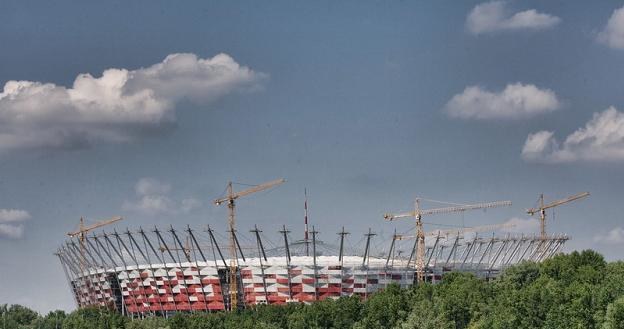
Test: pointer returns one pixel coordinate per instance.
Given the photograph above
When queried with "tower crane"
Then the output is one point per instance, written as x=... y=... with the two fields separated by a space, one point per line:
x=420 y=233
x=230 y=199
x=82 y=231
x=542 y=209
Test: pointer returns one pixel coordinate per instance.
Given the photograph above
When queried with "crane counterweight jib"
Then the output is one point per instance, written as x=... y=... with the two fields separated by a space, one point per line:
x=453 y=209
x=391 y=217
x=447 y=210
x=553 y=204
x=254 y=189
x=85 y=229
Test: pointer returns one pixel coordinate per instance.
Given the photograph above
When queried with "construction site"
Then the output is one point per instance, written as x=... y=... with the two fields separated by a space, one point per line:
x=161 y=271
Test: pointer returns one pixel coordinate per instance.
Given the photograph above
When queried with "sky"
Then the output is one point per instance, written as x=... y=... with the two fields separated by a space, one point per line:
x=147 y=109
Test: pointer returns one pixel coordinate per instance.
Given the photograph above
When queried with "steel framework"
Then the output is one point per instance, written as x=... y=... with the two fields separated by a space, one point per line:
x=160 y=272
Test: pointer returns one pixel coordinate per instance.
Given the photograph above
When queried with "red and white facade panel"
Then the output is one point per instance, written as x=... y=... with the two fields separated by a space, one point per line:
x=197 y=286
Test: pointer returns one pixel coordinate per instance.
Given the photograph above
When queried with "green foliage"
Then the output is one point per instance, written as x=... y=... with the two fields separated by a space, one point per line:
x=567 y=291
x=17 y=316
x=148 y=323
x=424 y=315
x=615 y=315
x=385 y=309
x=53 y=320
x=462 y=297
x=94 y=318
x=578 y=290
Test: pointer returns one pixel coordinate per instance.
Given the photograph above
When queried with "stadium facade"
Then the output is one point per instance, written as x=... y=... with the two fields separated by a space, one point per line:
x=162 y=272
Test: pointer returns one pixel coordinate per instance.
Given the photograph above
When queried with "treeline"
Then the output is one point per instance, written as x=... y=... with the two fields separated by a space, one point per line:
x=577 y=290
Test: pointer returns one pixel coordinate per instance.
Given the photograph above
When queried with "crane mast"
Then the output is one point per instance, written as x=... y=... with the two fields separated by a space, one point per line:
x=230 y=199
x=420 y=233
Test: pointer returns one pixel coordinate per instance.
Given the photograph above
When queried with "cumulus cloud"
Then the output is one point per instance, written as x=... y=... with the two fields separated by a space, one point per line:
x=495 y=16
x=13 y=215
x=11 y=223
x=119 y=106
x=190 y=204
x=521 y=225
x=613 y=33
x=151 y=186
x=602 y=139
x=11 y=231
x=539 y=144
x=614 y=236
x=153 y=198
x=516 y=101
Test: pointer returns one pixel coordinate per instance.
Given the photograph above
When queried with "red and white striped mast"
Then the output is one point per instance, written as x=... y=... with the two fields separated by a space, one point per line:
x=305 y=222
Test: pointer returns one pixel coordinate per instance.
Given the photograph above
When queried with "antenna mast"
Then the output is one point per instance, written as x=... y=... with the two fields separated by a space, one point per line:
x=305 y=222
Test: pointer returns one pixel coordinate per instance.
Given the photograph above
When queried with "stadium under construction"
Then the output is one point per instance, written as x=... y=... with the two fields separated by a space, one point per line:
x=162 y=271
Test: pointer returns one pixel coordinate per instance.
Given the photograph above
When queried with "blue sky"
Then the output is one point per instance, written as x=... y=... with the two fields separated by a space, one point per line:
x=367 y=104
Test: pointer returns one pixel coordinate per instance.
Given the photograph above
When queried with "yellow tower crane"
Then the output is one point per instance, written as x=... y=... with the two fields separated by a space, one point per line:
x=82 y=231
x=420 y=233
x=542 y=209
x=230 y=199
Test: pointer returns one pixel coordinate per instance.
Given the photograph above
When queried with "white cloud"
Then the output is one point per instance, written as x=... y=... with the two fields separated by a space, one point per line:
x=11 y=231
x=150 y=205
x=520 y=225
x=614 y=236
x=149 y=186
x=613 y=33
x=539 y=144
x=153 y=198
x=516 y=101
x=602 y=139
x=494 y=16
x=190 y=204
x=13 y=215
x=119 y=106
x=10 y=223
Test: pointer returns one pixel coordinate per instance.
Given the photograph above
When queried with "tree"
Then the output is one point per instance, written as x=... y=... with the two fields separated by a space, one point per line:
x=346 y=312
x=461 y=297
x=17 y=316
x=53 y=320
x=385 y=309
x=148 y=323
x=424 y=315
x=615 y=315
x=94 y=318
x=610 y=289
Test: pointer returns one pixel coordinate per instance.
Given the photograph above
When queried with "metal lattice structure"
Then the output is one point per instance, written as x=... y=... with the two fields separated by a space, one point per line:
x=160 y=272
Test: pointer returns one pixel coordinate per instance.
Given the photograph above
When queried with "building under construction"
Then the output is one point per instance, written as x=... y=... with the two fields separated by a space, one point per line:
x=163 y=271
x=159 y=272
